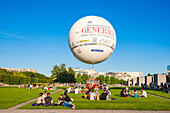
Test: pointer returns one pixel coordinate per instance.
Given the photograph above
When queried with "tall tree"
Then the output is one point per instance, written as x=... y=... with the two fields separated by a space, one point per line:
x=60 y=74
x=107 y=80
x=78 y=79
x=57 y=70
x=101 y=77
x=84 y=78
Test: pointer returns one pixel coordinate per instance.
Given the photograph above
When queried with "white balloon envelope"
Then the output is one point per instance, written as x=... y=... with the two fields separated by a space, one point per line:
x=92 y=39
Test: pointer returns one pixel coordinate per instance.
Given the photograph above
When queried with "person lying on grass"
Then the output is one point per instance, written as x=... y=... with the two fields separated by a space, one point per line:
x=40 y=100
x=61 y=101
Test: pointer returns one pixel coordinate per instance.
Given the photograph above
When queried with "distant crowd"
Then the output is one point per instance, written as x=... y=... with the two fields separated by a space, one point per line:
x=34 y=86
x=91 y=93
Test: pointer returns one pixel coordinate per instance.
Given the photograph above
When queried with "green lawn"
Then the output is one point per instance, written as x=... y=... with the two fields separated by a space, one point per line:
x=159 y=93
x=149 y=103
x=11 y=96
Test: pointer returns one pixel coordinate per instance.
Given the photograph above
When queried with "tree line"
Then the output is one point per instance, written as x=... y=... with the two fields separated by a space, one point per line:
x=63 y=75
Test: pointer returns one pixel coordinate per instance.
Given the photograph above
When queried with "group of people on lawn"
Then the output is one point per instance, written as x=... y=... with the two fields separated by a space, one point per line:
x=34 y=85
x=135 y=93
x=46 y=100
x=91 y=93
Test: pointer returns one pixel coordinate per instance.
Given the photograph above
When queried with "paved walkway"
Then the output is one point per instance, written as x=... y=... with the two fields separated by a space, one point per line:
x=158 y=96
x=22 y=104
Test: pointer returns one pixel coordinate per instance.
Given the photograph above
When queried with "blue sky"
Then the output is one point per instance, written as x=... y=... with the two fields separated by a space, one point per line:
x=34 y=33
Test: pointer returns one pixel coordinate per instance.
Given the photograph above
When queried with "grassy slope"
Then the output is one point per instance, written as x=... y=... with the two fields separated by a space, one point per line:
x=149 y=103
x=11 y=96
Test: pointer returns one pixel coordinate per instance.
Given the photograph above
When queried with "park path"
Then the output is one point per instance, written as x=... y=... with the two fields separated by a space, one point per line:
x=22 y=104
x=158 y=96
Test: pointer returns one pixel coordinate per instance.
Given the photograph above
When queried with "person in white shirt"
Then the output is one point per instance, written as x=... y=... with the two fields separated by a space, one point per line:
x=76 y=90
x=30 y=86
x=144 y=94
x=92 y=95
x=45 y=88
x=45 y=94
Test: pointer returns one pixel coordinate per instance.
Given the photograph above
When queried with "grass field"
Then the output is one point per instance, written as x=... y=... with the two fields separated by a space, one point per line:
x=11 y=96
x=159 y=93
x=149 y=103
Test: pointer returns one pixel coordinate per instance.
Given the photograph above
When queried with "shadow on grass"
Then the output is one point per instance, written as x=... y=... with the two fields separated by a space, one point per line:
x=130 y=88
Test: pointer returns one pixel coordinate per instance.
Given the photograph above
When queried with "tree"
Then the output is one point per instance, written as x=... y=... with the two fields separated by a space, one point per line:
x=84 y=78
x=101 y=78
x=71 y=71
x=78 y=79
x=112 y=80
x=60 y=74
x=57 y=70
x=19 y=74
x=149 y=74
x=107 y=80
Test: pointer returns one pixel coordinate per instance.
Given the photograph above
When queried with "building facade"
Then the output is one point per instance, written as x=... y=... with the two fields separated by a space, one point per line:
x=157 y=79
x=125 y=75
x=160 y=79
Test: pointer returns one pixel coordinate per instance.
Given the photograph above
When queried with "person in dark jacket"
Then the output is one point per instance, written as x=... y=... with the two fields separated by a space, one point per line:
x=103 y=95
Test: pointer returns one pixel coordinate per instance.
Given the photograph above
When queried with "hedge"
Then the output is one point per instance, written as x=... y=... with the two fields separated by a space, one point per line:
x=10 y=79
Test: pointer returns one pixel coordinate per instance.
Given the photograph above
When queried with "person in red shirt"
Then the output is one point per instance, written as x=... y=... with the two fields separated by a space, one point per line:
x=93 y=87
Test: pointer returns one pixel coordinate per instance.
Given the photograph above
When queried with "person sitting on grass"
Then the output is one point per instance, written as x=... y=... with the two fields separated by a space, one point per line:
x=45 y=94
x=92 y=95
x=109 y=94
x=88 y=87
x=144 y=94
x=45 y=88
x=85 y=90
x=34 y=85
x=86 y=94
x=79 y=89
x=135 y=94
x=40 y=100
x=103 y=95
x=127 y=93
x=122 y=93
x=72 y=89
x=96 y=95
x=76 y=90
x=93 y=87
x=48 y=101
x=61 y=101
x=67 y=98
